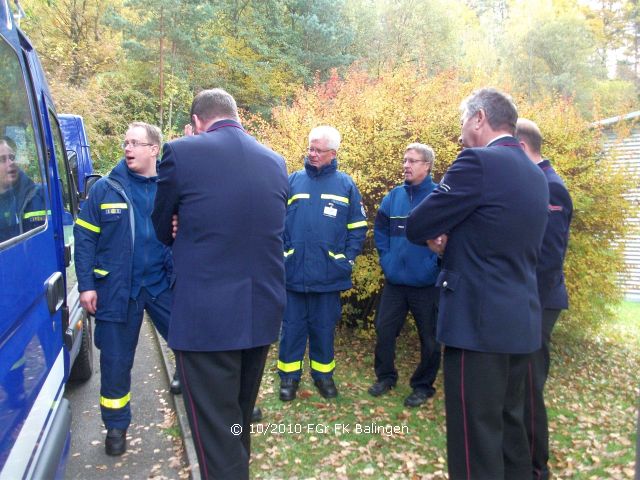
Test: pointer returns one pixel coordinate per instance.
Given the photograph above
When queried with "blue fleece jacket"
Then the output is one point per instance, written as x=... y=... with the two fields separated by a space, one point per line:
x=402 y=262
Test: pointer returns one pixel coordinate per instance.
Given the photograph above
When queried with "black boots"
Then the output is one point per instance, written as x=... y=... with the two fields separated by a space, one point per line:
x=116 y=442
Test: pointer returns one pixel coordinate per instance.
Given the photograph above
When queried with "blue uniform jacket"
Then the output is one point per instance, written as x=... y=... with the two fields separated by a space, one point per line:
x=325 y=229
x=402 y=262
x=104 y=244
x=492 y=202
x=551 y=285
x=22 y=207
x=230 y=193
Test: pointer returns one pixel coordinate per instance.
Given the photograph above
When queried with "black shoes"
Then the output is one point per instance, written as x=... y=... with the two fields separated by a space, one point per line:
x=174 y=386
x=381 y=387
x=116 y=442
x=288 y=389
x=326 y=387
x=256 y=415
x=418 y=397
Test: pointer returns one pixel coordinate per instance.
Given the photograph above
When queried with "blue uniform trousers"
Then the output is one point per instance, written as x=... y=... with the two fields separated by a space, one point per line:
x=313 y=316
x=117 y=343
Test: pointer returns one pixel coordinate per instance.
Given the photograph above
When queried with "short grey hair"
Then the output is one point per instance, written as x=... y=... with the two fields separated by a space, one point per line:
x=428 y=155
x=9 y=142
x=499 y=108
x=330 y=134
x=214 y=103
x=154 y=135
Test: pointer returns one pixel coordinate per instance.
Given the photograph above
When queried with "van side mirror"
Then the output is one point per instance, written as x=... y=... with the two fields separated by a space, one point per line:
x=88 y=183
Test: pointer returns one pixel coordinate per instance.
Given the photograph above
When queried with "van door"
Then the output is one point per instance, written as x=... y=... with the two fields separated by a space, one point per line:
x=31 y=282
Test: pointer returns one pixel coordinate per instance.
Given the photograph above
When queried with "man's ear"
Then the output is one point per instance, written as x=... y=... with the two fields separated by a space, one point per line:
x=481 y=118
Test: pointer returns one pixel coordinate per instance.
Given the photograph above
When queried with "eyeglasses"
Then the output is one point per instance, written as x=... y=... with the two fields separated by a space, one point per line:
x=134 y=144
x=6 y=158
x=411 y=161
x=317 y=150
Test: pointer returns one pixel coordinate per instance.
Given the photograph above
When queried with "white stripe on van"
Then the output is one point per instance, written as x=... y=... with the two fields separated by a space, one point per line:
x=42 y=412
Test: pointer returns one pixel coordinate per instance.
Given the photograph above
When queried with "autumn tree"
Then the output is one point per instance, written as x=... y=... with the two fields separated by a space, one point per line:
x=378 y=117
x=73 y=42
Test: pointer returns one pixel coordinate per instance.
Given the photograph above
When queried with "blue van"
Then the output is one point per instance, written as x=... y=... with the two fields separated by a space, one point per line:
x=78 y=151
x=45 y=337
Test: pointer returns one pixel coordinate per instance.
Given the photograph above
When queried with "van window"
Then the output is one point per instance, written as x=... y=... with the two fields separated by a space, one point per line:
x=22 y=194
x=69 y=194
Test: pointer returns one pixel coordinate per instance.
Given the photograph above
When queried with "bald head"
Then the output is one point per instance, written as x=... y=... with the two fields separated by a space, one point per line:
x=530 y=138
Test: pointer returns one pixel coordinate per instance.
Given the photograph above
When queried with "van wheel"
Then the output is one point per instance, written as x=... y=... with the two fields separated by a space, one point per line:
x=83 y=366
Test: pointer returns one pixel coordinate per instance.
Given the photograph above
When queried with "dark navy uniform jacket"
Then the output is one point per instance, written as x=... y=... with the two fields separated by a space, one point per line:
x=231 y=195
x=492 y=202
x=551 y=286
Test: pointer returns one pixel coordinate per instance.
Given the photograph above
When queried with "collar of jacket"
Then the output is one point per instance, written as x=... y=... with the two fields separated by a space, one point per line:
x=324 y=170
x=23 y=185
x=506 y=141
x=544 y=164
x=23 y=190
x=120 y=173
x=141 y=178
x=224 y=123
x=424 y=185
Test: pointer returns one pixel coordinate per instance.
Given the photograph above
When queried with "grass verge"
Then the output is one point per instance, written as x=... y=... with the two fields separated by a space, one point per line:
x=591 y=397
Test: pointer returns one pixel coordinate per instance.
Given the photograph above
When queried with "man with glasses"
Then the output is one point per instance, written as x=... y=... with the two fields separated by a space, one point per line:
x=410 y=273
x=122 y=271
x=324 y=232
x=22 y=206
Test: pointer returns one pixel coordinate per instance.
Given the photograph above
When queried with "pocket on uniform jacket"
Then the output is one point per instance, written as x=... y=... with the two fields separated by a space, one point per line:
x=448 y=280
x=104 y=291
x=112 y=212
x=338 y=267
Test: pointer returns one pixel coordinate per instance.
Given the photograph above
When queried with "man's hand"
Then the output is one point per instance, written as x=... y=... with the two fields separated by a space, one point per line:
x=89 y=301
x=188 y=130
x=174 y=224
x=438 y=244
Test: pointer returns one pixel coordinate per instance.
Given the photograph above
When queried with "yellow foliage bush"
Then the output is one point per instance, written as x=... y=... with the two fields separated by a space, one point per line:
x=379 y=117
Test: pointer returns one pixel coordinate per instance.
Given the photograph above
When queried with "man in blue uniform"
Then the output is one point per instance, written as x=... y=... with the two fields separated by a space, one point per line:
x=22 y=206
x=552 y=292
x=487 y=218
x=324 y=233
x=122 y=271
x=410 y=273
x=230 y=195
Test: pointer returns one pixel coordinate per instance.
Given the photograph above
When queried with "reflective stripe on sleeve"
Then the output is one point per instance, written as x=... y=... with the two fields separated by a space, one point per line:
x=289 y=252
x=100 y=272
x=298 y=196
x=360 y=224
x=87 y=225
x=290 y=366
x=323 y=367
x=337 y=198
x=115 y=402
